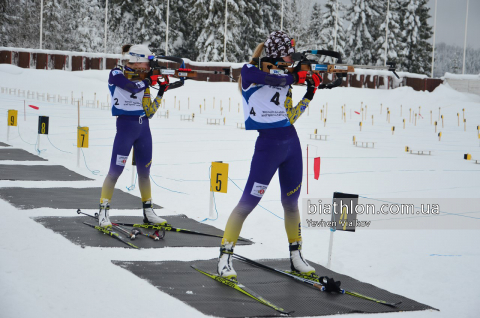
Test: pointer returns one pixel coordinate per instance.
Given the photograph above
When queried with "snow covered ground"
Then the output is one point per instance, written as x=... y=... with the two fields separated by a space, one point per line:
x=44 y=275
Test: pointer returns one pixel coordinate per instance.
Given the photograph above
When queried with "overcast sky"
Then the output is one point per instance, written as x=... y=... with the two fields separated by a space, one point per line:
x=451 y=16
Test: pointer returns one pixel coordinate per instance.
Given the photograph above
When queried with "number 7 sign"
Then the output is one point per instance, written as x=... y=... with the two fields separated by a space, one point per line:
x=82 y=137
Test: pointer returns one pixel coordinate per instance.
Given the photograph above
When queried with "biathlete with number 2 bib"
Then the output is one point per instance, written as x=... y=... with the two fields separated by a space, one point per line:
x=132 y=105
x=267 y=106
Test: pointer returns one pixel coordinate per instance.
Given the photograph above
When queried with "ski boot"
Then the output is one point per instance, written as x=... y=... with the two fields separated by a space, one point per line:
x=149 y=215
x=297 y=262
x=103 y=218
x=224 y=265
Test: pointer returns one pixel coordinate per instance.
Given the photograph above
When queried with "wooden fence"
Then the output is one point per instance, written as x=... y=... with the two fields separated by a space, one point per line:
x=81 y=62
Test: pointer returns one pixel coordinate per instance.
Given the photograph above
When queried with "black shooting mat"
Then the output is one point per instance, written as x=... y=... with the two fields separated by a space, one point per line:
x=78 y=233
x=67 y=198
x=4 y=144
x=18 y=155
x=179 y=280
x=39 y=173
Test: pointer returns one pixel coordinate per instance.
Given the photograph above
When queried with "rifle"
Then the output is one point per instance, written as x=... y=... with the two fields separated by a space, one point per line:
x=310 y=61
x=182 y=73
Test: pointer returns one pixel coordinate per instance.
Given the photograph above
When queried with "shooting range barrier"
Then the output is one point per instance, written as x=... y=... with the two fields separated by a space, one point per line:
x=67 y=198
x=365 y=144
x=39 y=173
x=318 y=137
x=418 y=152
x=73 y=229
x=187 y=117
x=213 y=298
x=18 y=155
x=163 y=114
x=213 y=121
x=240 y=126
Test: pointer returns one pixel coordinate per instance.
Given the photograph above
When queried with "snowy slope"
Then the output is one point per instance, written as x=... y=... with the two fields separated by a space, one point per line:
x=44 y=275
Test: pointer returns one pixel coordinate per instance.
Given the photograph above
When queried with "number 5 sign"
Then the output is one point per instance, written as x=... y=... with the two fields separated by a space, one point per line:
x=219 y=177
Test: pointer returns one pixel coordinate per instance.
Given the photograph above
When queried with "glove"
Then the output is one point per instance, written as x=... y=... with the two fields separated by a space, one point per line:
x=152 y=79
x=300 y=77
x=312 y=84
x=163 y=85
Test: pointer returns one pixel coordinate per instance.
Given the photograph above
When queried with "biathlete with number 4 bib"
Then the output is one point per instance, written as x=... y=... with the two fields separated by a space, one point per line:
x=268 y=108
x=132 y=105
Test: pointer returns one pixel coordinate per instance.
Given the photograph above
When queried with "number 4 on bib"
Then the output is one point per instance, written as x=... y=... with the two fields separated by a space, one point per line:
x=252 y=112
x=275 y=99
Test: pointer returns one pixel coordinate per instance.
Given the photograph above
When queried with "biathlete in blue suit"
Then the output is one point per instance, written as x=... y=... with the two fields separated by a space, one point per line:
x=132 y=104
x=267 y=106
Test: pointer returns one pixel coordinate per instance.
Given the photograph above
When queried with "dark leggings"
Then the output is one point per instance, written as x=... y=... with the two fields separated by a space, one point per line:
x=131 y=131
x=276 y=148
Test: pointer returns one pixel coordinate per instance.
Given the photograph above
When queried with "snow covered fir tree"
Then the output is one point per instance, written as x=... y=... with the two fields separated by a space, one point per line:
x=391 y=31
x=196 y=28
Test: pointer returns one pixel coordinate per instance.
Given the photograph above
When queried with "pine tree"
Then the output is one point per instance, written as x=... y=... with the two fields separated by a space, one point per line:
x=270 y=11
x=52 y=28
x=416 y=55
x=327 y=27
x=183 y=41
x=7 y=22
x=259 y=19
x=20 y=23
x=314 y=39
x=363 y=16
x=252 y=29
x=210 y=43
x=90 y=26
x=395 y=44
x=291 y=21
x=123 y=22
x=424 y=52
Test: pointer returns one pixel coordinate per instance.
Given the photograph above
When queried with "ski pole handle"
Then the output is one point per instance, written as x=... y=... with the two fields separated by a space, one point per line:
x=321 y=287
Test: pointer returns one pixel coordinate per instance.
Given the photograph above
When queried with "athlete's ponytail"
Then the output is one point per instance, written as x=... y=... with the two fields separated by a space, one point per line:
x=126 y=48
x=256 y=54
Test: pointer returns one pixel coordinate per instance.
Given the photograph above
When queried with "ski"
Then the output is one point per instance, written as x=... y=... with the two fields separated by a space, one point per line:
x=133 y=234
x=112 y=234
x=315 y=277
x=241 y=288
x=313 y=280
x=169 y=227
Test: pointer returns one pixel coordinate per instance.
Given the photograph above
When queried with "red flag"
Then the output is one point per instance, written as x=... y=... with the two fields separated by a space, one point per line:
x=316 y=167
x=34 y=107
x=357 y=113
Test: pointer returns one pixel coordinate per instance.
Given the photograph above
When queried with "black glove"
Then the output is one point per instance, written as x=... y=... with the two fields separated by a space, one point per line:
x=312 y=84
x=330 y=284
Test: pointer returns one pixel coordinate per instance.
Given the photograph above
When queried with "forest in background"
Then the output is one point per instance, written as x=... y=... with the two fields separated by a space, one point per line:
x=196 y=29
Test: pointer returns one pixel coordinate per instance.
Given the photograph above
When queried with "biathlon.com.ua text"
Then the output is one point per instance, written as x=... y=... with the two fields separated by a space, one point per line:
x=370 y=209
